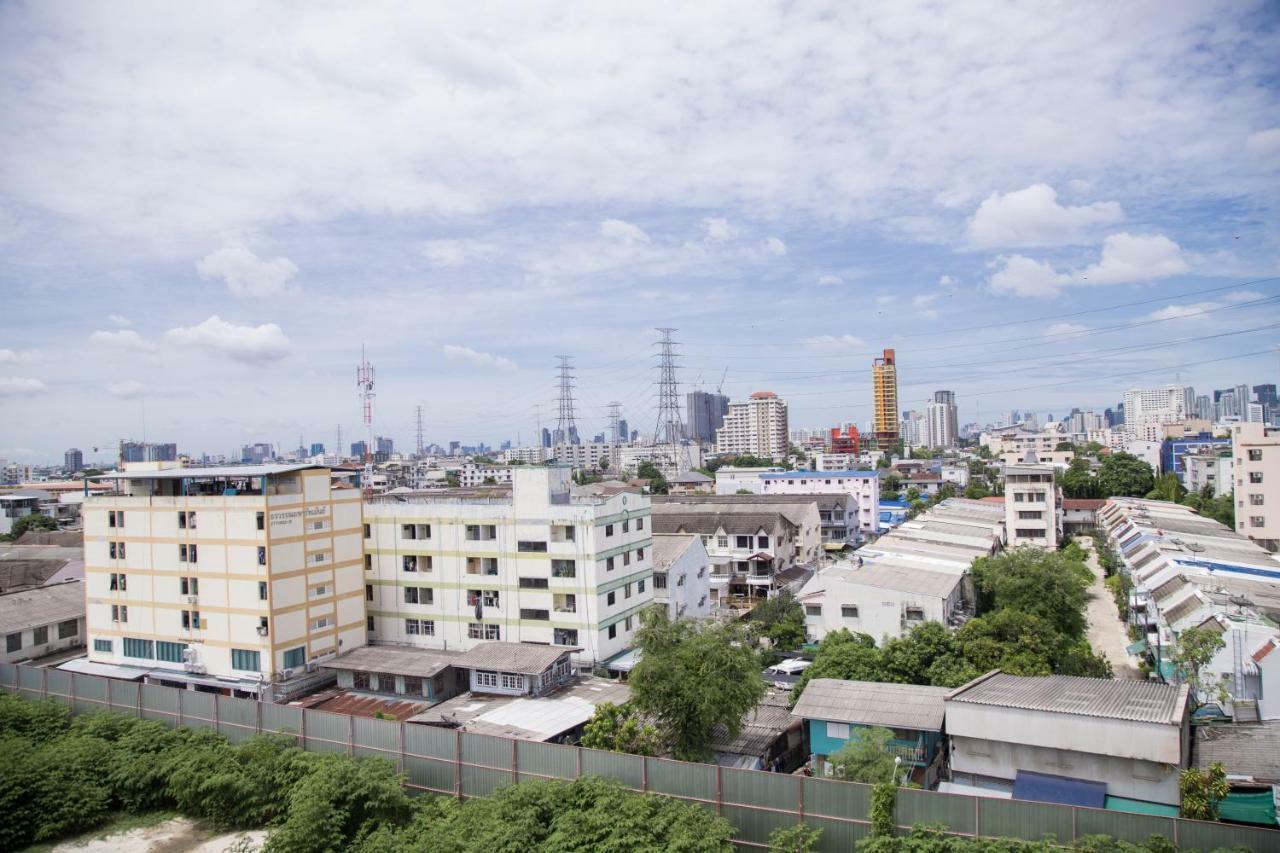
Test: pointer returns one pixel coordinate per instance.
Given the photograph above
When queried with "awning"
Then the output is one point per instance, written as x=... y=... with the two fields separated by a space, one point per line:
x=1047 y=788
x=106 y=670
x=1138 y=648
x=1122 y=804
x=835 y=546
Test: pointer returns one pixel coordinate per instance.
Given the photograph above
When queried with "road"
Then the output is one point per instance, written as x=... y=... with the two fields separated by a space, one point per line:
x=1108 y=635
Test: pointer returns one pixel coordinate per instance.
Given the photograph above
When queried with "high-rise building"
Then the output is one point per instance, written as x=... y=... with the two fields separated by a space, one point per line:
x=884 y=389
x=254 y=454
x=846 y=442
x=1204 y=407
x=624 y=431
x=942 y=420
x=162 y=452
x=73 y=460
x=317 y=448
x=1146 y=409
x=546 y=437
x=1256 y=451
x=383 y=445
x=359 y=449
x=912 y=430
x=133 y=451
x=757 y=427
x=1227 y=405
x=224 y=578
x=706 y=413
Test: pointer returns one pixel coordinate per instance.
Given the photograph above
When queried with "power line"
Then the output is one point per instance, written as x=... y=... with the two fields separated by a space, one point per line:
x=669 y=429
x=566 y=423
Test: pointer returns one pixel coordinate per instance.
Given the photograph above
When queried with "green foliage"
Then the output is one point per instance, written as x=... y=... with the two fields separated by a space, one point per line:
x=1120 y=587
x=935 y=840
x=1078 y=480
x=586 y=815
x=693 y=677
x=800 y=838
x=1194 y=649
x=1040 y=583
x=781 y=620
x=865 y=757
x=338 y=804
x=619 y=729
x=34 y=721
x=1123 y=474
x=976 y=490
x=890 y=483
x=1167 y=487
x=884 y=799
x=658 y=484
x=35 y=521
x=1064 y=445
x=1201 y=792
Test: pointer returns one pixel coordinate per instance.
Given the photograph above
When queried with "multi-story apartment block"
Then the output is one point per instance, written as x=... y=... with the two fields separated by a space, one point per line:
x=862 y=487
x=73 y=461
x=884 y=389
x=1146 y=409
x=706 y=413
x=1032 y=506
x=237 y=579
x=1256 y=450
x=471 y=475
x=942 y=421
x=450 y=570
x=757 y=427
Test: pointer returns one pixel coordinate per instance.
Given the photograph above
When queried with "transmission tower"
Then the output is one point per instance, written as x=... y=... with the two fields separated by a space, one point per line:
x=615 y=415
x=337 y=451
x=669 y=429
x=566 y=423
x=419 y=432
x=364 y=382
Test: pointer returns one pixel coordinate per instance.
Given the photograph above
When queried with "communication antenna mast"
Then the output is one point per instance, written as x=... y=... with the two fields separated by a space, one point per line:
x=364 y=382
x=669 y=429
x=566 y=423
x=337 y=451
x=615 y=415
x=419 y=431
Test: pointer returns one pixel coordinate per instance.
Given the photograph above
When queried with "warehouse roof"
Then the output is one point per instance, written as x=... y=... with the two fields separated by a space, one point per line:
x=886 y=575
x=42 y=605
x=524 y=658
x=394 y=660
x=1140 y=701
x=867 y=703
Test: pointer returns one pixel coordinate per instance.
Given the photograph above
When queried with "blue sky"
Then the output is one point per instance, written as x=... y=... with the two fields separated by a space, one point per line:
x=204 y=212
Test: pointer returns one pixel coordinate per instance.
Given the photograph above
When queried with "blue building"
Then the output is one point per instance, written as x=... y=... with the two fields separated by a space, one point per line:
x=1173 y=451
x=892 y=513
x=835 y=711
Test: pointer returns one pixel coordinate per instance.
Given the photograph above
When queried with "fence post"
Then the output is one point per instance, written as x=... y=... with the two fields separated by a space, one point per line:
x=181 y=715
x=1074 y=834
x=400 y=745
x=719 y=789
x=257 y=716
x=217 y=719
x=1176 y=823
x=644 y=774
x=44 y=682
x=72 y=697
x=351 y=735
x=800 y=798
x=457 y=763
x=138 y=686
x=577 y=769
x=515 y=762
x=304 y=728
x=977 y=817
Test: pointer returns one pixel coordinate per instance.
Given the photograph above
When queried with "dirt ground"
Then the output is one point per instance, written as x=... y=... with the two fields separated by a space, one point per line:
x=179 y=835
x=1107 y=634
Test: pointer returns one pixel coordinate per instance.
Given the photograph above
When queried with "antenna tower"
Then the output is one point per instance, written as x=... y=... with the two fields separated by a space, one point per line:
x=337 y=451
x=419 y=431
x=566 y=423
x=364 y=382
x=615 y=415
x=669 y=429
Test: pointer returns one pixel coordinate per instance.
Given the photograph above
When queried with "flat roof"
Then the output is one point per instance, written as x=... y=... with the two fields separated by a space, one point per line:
x=41 y=605
x=396 y=660
x=1245 y=750
x=867 y=703
x=1118 y=699
x=216 y=471
x=530 y=718
x=816 y=475
x=524 y=658
x=886 y=575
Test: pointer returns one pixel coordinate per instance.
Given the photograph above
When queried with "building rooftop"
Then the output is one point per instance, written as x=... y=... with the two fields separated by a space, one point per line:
x=669 y=547
x=894 y=706
x=396 y=660
x=816 y=475
x=889 y=576
x=679 y=518
x=529 y=718
x=224 y=471
x=524 y=658
x=1245 y=750
x=42 y=605
x=1140 y=701
x=761 y=726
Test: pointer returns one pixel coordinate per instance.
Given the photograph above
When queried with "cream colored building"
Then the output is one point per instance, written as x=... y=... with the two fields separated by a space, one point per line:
x=757 y=427
x=1032 y=506
x=1256 y=450
x=448 y=570
x=235 y=579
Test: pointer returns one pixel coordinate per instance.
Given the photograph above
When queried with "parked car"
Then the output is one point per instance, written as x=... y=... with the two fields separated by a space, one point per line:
x=785 y=674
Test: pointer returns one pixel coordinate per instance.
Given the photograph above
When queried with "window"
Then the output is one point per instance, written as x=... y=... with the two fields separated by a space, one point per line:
x=486 y=679
x=1019 y=497
x=368 y=623
x=187 y=554
x=626 y=525
x=320 y=623
x=319 y=558
x=838 y=731
x=1254 y=477
x=102 y=646
x=410 y=563
x=481 y=532
x=246 y=660
x=639 y=553
x=762 y=542
x=533 y=583
x=1029 y=533
x=368 y=532
x=111 y=518
x=261 y=520
x=408 y=531
x=1255 y=500
x=608 y=530
x=1255 y=454
x=320 y=591
x=170 y=652
x=608 y=564
x=368 y=592
x=742 y=541
x=626 y=624
x=612 y=632
x=534 y=614
x=490 y=598
x=119 y=613
x=368 y=562
x=659 y=580
x=915 y=614
x=118 y=582
x=481 y=631
x=640 y=524
x=189 y=585
x=813 y=610
x=40 y=635
x=69 y=628
x=13 y=642
x=182 y=521
x=626 y=558
x=134 y=648
x=262 y=590
x=512 y=681
x=640 y=586
x=564 y=569
x=610 y=598
x=1030 y=513
x=722 y=541
x=565 y=637
x=848 y=611
x=529 y=546
x=419 y=595
x=191 y=620
x=626 y=591
x=295 y=657
x=1257 y=521
x=116 y=550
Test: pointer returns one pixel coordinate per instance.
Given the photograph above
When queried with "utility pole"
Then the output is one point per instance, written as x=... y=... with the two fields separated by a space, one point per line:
x=669 y=428
x=419 y=431
x=566 y=422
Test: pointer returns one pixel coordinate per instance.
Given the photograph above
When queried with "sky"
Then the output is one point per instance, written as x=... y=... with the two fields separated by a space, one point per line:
x=206 y=210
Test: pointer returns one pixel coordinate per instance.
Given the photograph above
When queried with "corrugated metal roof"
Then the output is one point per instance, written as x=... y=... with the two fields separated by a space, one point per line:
x=1252 y=750
x=525 y=658
x=667 y=547
x=1183 y=609
x=396 y=661
x=218 y=471
x=888 y=576
x=42 y=605
x=1169 y=588
x=1141 y=701
x=868 y=703
x=676 y=518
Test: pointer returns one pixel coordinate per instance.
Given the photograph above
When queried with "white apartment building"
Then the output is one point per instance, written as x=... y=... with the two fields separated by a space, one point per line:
x=236 y=579
x=824 y=461
x=583 y=456
x=731 y=480
x=757 y=427
x=942 y=421
x=448 y=571
x=1208 y=469
x=913 y=430
x=682 y=575
x=1146 y=409
x=669 y=459
x=1032 y=506
x=471 y=475
x=863 y=488
x=1255 y=448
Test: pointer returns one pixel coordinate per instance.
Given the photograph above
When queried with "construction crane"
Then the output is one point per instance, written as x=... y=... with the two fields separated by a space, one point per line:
x=723 y=376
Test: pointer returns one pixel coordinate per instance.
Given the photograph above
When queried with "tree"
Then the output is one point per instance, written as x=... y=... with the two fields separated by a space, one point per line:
x=744 y=492
x=866 y=757
x=1078 y=480
x=451 y=478
x=619 y=729
x=1202 y=792
x=1124 y=475
x=976 y=490
x=781 y=620
x=844 y=655
x=890 y=483
x=35 y=521
x=693 y=677
x=1193 y=651
x=1040 y=583
x=799 y=838
x=1167 y=488
x=603 y=464
x=658 y=484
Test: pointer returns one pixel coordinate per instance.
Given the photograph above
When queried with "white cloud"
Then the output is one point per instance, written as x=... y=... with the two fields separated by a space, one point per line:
x=1136 y=257
x=885 y=299
x=1242 y=296
x=249 y=344
x=467 y=355
x=119 y=320
x=18 y=386
x=130 y=389
x=1023 y=276
x=1033 y=217
x=247 y=276
x=922 y=303
x=836 y=342
x=718 y=230
x=11 y=356
x=829 y=280
x=1065 y=330
x=617 y=229
x=947 y=281
x=1265 y=142
x=123 y=339
x=774 y=246
x=1195 y=309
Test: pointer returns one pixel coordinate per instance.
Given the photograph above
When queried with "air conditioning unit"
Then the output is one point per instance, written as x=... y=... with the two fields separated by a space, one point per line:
x=284 y=675
x=312 y=666
x=196 y=668
x=262 y=630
